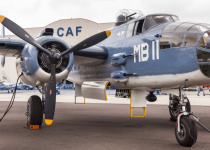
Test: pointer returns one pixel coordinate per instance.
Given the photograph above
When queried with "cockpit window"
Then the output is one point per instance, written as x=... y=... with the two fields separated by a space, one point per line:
x=135 y=28
x=175 y=18
x=130 y=30
x=152 y=21
x=138 y=27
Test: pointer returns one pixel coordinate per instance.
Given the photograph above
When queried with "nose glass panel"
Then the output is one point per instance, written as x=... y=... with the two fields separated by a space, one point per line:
x=203 y=56
x=203 y=59
x=204 y=42
x=205 y=69
x=179 y=34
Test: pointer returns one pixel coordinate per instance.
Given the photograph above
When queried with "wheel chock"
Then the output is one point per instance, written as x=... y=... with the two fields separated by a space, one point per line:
x=32 y=127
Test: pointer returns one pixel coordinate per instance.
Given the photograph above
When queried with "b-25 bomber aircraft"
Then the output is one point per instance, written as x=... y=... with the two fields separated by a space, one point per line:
x=141 y=53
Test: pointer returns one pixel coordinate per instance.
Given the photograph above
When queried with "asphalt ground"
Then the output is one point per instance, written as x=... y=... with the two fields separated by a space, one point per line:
x=98 y=127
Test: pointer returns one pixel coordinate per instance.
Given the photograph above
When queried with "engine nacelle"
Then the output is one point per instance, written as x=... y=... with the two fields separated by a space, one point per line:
x=35 y=64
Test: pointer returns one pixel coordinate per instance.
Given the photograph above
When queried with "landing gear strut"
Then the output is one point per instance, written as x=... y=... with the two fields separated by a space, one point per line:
x=175 y=106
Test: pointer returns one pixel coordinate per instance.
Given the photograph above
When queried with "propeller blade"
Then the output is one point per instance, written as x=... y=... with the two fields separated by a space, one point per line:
x=95 y=39
x=50 y=98
x=21 y=33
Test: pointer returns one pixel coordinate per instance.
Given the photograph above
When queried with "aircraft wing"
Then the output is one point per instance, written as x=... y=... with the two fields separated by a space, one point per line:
x=11 y=47
x=93 y=55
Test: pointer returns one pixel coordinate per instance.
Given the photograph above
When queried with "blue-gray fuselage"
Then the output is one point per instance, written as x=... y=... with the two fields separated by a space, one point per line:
x=149 y=66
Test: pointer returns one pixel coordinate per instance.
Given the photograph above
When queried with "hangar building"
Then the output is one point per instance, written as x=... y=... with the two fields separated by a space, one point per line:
x=71 y=30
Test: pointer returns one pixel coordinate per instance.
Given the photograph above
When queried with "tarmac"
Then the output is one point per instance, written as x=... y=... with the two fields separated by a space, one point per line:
x=99 y=125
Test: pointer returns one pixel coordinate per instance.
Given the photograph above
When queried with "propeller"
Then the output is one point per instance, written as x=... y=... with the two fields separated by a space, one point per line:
x=50 y=98
x=21 y=33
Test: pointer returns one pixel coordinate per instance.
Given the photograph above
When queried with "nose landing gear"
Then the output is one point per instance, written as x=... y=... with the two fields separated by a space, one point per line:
x=180 y=111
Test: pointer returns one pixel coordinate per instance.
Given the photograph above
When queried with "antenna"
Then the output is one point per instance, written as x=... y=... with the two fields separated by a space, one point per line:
x=131 y=15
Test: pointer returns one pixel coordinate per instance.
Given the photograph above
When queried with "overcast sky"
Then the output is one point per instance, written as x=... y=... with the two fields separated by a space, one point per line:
x=39 y=13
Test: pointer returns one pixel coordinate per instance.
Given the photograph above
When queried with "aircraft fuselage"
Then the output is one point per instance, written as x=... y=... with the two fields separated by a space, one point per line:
x=154 y=68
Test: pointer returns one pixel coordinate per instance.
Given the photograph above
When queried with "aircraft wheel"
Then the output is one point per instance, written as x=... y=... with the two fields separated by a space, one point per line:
x=188 y=132
x=175 y=110
x=34 y=111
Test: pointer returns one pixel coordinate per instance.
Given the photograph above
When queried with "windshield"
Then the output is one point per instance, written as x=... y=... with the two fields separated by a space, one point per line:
x=154 y=20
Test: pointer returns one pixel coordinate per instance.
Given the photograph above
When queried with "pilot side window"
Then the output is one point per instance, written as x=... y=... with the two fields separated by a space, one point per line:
x=130 y=30
x=138 y=27
x=152 y=21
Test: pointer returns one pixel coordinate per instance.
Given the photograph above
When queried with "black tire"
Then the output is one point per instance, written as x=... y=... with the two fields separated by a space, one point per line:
x=27 y=88
x=34 y=111
x=175 y=110
x=188 y=135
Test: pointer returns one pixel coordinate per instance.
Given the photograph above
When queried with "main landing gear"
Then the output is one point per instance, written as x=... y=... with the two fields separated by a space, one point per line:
x=35 y=110
x=180 y=111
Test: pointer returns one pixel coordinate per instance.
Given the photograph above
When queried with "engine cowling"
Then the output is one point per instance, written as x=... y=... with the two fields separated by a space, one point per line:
x=35 y=64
